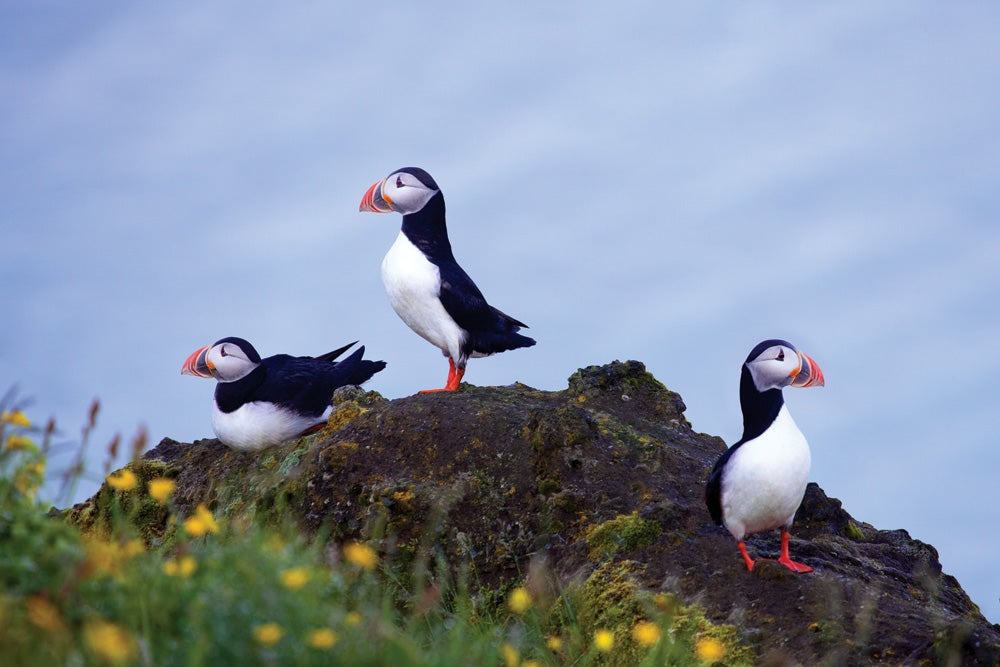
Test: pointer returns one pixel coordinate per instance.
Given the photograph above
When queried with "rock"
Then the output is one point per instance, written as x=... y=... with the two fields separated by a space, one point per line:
x=504 y=476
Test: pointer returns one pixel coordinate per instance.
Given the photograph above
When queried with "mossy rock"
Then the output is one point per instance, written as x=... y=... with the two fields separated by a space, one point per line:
x=605 y=470
x=622 y=534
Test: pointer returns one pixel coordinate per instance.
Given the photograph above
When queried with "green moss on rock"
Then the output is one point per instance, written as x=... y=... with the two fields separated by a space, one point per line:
x=147 y=517
x=852 y=531
x=622 y=534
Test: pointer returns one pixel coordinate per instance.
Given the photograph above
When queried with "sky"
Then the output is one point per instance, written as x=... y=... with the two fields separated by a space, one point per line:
x=666 y=182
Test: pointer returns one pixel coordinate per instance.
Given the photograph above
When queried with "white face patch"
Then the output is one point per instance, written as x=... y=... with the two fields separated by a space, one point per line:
x=406 y=192
x=230 y=362
x=773 y=368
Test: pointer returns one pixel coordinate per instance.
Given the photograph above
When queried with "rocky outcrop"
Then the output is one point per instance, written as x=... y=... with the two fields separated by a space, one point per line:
x=607 y=470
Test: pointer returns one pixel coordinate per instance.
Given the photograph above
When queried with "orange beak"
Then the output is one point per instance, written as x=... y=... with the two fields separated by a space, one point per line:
x=198 y=363
x=375 y=201
x=808 y=374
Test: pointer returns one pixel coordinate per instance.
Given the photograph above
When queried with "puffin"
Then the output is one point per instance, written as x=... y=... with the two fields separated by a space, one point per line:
x=758 y=483
x=264 y=402
x=427 y=288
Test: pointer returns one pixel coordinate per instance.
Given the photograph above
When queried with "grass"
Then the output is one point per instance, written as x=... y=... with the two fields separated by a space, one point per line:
x=212 y=591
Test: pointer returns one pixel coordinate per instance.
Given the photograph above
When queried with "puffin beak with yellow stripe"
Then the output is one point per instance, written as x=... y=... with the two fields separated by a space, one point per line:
x=197 y=364
x=374 y=201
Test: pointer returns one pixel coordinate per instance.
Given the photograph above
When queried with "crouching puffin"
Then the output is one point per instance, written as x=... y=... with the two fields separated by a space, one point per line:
x=265 y=402
x=426 y=286
x=758 y=483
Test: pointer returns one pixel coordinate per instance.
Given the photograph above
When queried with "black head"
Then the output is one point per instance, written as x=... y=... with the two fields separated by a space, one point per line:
x=248 y=349
x=420 y=175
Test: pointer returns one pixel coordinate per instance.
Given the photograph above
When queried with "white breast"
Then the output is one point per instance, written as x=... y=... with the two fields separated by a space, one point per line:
x=413 y=285
x=257 y=425
x=765 y=479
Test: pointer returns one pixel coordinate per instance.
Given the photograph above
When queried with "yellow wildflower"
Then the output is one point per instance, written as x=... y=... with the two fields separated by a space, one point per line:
x=44 y=614
x=322 y=638
x=123 y=480
x=268 y=633
x=519 y=600
x=709 y=649
x=182 y=567
x=604 y=640
x=554 y=643
x=16 y=418
x=134 y=548
x=16 y=441
x=109 y=641
x=201 y=522
x=161 y=488
x=511 y=656
x=361 y=555
x=530 y=663
x=646 y=633
x=295 y=578
x=353 y=618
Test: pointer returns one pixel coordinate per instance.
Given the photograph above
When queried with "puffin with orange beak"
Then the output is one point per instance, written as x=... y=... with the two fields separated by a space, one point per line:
x=264 y=402
x=758 y=483
x=426 y=286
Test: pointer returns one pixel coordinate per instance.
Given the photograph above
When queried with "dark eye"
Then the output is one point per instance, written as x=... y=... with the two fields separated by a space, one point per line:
x=781 y=354
x=222 y=351
x=399 y=181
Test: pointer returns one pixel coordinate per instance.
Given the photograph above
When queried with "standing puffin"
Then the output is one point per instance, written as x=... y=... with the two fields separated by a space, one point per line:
x=758 y=483
x=260 y=403
x=426 y=286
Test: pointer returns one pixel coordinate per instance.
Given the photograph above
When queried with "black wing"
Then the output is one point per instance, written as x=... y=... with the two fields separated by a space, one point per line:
x=462 y=298
x=306 y=384
x=713 y=490
x=331 y=356
x=490 y=330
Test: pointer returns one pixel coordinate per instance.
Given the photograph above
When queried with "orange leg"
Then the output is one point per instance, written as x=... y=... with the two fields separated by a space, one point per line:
x=786 y=560
x=454 y=379
x=746 y=556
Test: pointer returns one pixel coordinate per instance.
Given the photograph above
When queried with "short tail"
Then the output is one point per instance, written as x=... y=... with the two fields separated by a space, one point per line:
x=491 y=343
x=355 y=370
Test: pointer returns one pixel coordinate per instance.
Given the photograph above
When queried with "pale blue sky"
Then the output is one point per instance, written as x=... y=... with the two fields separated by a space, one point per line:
x=656 y=181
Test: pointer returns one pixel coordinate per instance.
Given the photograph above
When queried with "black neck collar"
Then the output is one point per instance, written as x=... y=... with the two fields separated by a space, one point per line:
x=760 y=408
x=426 y=229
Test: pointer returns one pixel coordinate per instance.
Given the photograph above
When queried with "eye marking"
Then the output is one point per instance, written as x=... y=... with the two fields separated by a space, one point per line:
x=399 y=181
x=222 y=351
x=781 y=354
